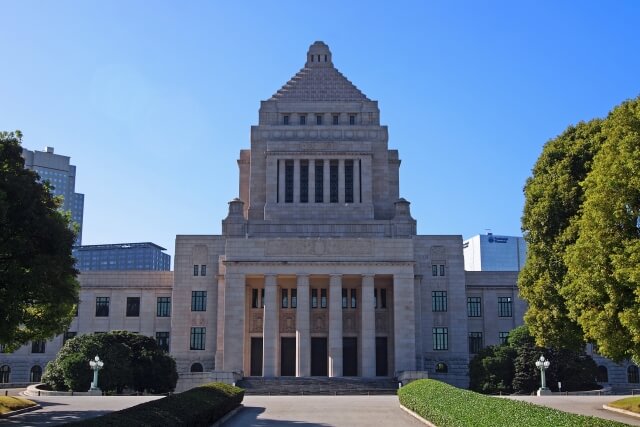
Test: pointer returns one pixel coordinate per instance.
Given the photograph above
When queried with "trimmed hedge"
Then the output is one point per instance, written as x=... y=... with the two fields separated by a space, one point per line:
x=448 y=406
x=13 y=403
x=200 y=406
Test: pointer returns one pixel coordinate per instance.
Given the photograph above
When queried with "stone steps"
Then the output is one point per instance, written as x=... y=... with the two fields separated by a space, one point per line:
x=317 y=386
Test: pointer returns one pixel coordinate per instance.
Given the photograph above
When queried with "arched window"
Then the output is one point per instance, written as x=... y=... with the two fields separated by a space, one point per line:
x=5 y=373
x=603 y=374
x=441 y=368
x=36 y=374
x=196 y=367
x=632 y=374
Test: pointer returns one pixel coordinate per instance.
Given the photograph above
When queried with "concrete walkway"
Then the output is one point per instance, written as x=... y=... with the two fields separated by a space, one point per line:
x=583 y=405
x=312 y=411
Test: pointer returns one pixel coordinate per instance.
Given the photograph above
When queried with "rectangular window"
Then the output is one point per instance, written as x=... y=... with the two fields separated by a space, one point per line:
x=474 y=306
x=102 y=306
x=254 y=298
x=352 y=119
x=37 y=346
x=345 y=298
x=314 y=298
x=504 y=307
x=434 y=270
x=475 y=342
x=383 y=298
x=319 y=178
x=294 y=298
x=323 y=298
x=203 y=270
x=333 y=181
x=348 y=181
x=67 y=336
x=375 y=298
x=439 y=300
x=502 y=337
x=133 y=306
x=353 y=298
x=288 y=181
x=162 y=338
x=199 y=301
x=197 y=338
x=441 y=270
x=285 y=298
x=303 y=120
x=195 y=270
x=163 y=307
x=336 y=119
x=440 y=339
x=285 y=120
x=262 y=298
x=318 y=119
x=304 y=181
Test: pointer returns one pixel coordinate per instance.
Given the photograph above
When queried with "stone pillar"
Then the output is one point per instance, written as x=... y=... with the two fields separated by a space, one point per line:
x=368 y=328
x=327 y=181
x=296 y=180
x=367 y=180
x=356 y=181
x=234 y=317
x=281 y=185
x=219 y=361
x=270 y=327
x=335 y=326
x=404 y=322
x=272 y=189
x=303 y=337
x=312 y=181
x=341 y=181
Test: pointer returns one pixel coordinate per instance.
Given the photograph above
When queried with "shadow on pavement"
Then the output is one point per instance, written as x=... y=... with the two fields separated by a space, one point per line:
x=41 y=418
x=248 y=416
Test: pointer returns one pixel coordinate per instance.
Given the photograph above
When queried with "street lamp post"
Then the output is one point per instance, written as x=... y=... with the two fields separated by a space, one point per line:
x=543 y=365
x=96 y=364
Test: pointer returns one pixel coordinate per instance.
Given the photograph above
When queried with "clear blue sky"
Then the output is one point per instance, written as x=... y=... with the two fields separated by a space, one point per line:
x=153 y=100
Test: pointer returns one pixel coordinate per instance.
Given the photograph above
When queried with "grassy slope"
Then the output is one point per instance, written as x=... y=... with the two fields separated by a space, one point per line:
x=630 y=404
x=12 y=403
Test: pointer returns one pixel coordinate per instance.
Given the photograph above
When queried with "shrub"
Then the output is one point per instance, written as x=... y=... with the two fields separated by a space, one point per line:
x=200 y=406
x=447 y=406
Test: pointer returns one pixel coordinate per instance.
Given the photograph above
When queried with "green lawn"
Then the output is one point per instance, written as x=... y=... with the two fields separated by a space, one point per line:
x=448 y=406
x=12 y=403
x=630 y=404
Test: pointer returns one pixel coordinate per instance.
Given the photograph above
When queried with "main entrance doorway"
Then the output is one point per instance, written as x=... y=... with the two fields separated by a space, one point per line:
x=350 y=356
x=319 y=361
x=287 y=357
x=381 y=357
x=256 y=357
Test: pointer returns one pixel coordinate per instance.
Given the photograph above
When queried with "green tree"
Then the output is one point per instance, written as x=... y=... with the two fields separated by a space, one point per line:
x=38 y=287
x=602 y=292
x=130 y=361
x=553 y=198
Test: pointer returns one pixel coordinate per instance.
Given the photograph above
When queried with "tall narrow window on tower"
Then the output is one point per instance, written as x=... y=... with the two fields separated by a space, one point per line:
x=348 y=181
x=333 y=181
x=288 y=181
x=304 y=181
x=319 y=184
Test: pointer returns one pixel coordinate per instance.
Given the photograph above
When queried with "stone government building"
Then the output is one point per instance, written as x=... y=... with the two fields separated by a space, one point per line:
x=318 y=271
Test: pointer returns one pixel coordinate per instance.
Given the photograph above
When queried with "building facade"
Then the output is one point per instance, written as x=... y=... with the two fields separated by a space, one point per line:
x=122 y=256
x=318 y=271
x=489 y=252
x=61 y=174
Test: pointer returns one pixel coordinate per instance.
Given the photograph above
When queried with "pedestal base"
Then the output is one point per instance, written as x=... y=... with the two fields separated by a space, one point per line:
x=544 y=392
x=94 y=392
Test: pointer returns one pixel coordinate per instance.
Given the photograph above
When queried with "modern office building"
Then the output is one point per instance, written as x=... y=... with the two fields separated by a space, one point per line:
x=490 y=252
x=61 y=174
x=318 y=271
x=122 y=256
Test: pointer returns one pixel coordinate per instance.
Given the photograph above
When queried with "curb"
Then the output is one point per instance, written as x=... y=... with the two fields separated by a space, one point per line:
x=418 y=417
x=20 y=411
x=620 y=411
x=226 y=416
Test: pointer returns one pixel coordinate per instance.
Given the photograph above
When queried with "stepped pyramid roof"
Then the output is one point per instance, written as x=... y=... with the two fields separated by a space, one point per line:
x=319 y=80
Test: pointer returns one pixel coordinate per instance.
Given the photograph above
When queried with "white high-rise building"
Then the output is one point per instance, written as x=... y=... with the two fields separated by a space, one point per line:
x=490 y=252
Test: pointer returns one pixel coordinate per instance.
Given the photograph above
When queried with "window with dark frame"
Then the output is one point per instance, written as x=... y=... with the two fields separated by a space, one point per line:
x=352 y=119
x=38 y=346
x=353 y=298
x=198 y=300
x=434 y=270
x=314 y=298
x=441 y=269
x=285 y=298
x=163 y=307
x=67 y=336
x=348 y=181
x=285 y=120
x=375 y=298
x=318 y=119
x=475 y=342
x=383 y=298
x=133 y=307
x=502 y=337
x=336 y=119
x=319 y=180
x=440 y=338
x=323 y=298
x=505 y=308
x=262 y=298
x=197 y=338
x=203 y=270
x=439 y=300
x=294 y=298
x=288 y=181
x=333 y=181
x=162 y=338
x=102 y=306
x=195 y=270
x=254 y=298
x=474 y=306
x=304 y=181
x=303 y=119
x=344 y=298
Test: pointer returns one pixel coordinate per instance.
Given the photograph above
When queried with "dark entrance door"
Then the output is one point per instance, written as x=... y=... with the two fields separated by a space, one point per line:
x=381 y=356
x=350 y=356
x=256 y=357
x=287 y=357
x=319 y=357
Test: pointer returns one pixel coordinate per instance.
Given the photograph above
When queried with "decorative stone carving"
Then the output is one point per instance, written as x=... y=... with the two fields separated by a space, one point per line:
x=256 y=322
x=310 y=247
x=349 y=322
x=319 y=322
x=381 y=322
x=287 y=322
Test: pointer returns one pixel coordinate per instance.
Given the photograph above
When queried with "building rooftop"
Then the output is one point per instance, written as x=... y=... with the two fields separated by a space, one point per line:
x=119 y=246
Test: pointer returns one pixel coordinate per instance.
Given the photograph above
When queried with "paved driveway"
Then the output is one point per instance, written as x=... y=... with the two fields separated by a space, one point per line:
x=312 y=411
x=584 y=405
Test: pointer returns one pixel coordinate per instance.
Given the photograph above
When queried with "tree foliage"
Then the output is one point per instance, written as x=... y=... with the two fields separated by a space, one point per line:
x=38 y=287
x=582 y=275
x=130 y=361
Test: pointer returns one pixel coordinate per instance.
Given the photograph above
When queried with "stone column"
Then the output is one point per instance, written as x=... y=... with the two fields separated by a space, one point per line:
x=234 y=317
x=404 y=322
x=270 y=327
x=356 y=181
x=312 y=181
x=219 y=361
x=335 y=326
x=281 y=186
x=327 y=181
x=368 y=328
x=296 y=180
x=341 y=181
x=303 y=337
